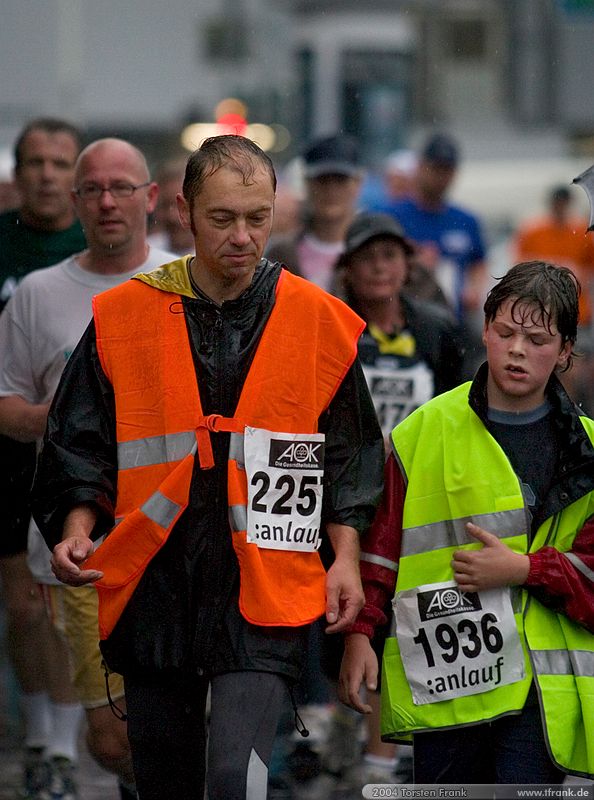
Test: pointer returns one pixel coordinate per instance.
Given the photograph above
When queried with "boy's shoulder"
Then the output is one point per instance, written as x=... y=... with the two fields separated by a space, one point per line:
x=450 y=408
x=445 y=402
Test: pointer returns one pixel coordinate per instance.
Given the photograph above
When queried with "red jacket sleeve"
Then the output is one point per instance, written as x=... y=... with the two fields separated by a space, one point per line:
x=564 y=582
x=380 y=551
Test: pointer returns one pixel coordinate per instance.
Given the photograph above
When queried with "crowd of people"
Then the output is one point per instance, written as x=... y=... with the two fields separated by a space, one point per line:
x=244 y=464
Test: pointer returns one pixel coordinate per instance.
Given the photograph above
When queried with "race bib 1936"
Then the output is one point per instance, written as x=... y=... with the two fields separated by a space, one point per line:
x=455 y=643
x=285 y=475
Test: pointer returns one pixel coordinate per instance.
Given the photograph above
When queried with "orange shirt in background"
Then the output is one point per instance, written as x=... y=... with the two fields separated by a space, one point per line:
x=566 y=244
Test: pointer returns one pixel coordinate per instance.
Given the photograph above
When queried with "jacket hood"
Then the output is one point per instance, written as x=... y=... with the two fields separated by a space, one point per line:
x=173 y=277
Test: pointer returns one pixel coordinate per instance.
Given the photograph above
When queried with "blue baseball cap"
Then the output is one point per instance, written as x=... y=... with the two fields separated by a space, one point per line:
x=441 y=149
x=332 y=155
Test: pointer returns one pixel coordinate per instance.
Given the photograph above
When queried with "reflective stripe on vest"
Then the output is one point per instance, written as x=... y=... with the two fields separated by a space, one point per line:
x=238 y=518
x=563 y=662
x=580 y=566
x=159 y=417
x=140 y=535
x=236 y=451
x=372 y=558
x=155 y=449
x=160 y=510
x=237 y=511
x=453 y=533
x=444 y=450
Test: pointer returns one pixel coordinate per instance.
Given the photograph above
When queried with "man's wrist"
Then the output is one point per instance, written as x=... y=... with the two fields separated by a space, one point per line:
x=345 y=542
x=79 y=522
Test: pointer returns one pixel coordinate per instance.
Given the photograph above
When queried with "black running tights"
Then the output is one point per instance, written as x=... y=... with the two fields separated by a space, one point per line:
x=170 y=737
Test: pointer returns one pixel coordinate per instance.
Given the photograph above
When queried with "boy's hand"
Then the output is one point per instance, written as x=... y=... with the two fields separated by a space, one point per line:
x=493 y=566
x=359 y=663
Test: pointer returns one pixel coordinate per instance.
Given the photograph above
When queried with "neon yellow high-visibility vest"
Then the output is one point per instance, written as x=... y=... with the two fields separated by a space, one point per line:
x=456 y=473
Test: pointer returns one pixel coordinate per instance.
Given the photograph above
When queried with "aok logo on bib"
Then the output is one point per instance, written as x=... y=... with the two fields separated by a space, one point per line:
x=445 y=602
x=285 y=474
x=299 y=454
x=455 y=643
x=389 y=386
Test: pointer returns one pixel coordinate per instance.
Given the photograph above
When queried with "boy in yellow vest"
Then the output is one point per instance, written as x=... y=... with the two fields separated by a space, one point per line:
x=484 y=543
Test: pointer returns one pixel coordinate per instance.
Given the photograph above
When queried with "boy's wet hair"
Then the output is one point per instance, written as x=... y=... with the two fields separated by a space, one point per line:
x=551 y=293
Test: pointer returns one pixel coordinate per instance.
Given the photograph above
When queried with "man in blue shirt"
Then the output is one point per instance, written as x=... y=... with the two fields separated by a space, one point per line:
x=448 y=239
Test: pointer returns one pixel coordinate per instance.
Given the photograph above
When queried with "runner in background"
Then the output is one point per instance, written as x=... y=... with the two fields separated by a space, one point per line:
x=39 y=330
x=165 y=229
x=560 y=235
x=333 y=175
x=43 y=229
x=448 y=238
x=410 y=351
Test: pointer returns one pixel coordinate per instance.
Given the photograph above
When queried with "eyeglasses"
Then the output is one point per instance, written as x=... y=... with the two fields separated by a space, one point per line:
x=91 y=191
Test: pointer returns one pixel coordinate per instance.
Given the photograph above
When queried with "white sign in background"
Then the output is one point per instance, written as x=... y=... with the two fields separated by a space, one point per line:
x=397 y=392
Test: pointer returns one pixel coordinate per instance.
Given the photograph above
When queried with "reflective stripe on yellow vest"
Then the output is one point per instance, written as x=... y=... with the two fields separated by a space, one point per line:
x=562 y=653
x=455 y=473
x=144 y=350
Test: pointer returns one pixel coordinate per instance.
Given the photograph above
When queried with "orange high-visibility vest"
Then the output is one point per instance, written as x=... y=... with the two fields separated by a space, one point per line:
x=306 y=348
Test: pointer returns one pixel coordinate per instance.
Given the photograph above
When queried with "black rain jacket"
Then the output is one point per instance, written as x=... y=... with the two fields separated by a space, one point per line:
x=184 y=615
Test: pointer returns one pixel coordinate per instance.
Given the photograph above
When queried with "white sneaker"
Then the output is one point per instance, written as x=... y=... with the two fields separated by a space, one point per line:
x=62 y=785
x=36 y=774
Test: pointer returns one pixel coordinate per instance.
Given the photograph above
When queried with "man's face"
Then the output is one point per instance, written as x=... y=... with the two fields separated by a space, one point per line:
x=522 y=354
x=44 y=179
x=377 y=270
x=434 y=179
x=231 y=224
x=333 y=198
x=166 y=215
x=114 y=225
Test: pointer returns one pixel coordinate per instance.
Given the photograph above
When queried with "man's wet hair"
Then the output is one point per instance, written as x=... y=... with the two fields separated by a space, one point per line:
x=542 y=293
x=237 y=152
x=49 y=125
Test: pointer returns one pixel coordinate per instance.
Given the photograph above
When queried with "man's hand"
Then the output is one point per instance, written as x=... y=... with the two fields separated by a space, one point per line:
x=67 y=558
x=427 y=255
x=75 y=547
x=493 y=566
x=344 y=593
x=22 y=420
x=475 y=286
x=359 y=664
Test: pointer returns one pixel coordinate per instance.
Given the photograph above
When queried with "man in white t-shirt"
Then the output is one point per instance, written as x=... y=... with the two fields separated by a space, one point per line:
x=39 y=329
x=333 y=176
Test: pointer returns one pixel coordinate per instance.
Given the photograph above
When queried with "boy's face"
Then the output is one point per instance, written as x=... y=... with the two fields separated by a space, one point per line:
x=522 y=353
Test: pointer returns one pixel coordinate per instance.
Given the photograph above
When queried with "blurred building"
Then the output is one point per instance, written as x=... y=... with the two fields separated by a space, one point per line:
x=512 y=79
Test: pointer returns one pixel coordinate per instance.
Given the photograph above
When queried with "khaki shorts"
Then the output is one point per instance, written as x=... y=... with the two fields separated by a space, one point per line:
x=73 y=611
